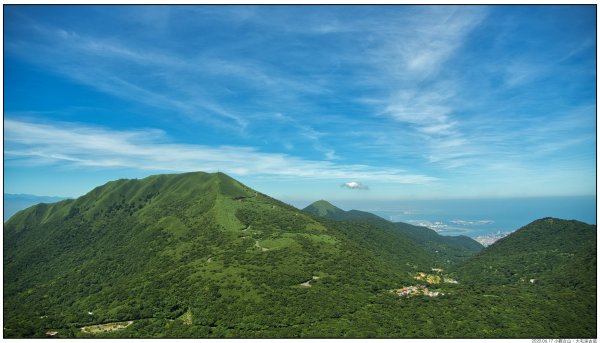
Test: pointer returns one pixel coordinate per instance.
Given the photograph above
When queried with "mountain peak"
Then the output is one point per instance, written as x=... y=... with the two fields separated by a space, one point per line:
x=322 y=208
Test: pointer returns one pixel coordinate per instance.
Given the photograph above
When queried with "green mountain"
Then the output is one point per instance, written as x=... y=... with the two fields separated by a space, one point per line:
x=549 y=251
x=548 y=269
x=445 y=249
x=202 y=255
x=323 y=208
x=156 y=249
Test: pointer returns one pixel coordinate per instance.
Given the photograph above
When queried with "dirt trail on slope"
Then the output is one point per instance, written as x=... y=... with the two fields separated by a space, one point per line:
x=307 y=283
x=257 y=244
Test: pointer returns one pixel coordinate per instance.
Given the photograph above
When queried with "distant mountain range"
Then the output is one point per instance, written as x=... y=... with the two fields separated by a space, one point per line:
x=444 y=248
x=202 y=255
x=16 y=202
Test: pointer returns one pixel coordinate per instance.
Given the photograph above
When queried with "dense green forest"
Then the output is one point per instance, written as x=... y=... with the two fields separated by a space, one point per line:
x=202 y=255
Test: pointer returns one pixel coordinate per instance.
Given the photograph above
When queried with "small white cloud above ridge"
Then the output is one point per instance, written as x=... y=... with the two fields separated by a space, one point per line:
x=355 y=185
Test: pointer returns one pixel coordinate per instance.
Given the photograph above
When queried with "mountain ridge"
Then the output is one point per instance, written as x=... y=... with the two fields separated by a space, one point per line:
x=128 y=236
x=203 y=255
x=14 y=203
x=446 y=246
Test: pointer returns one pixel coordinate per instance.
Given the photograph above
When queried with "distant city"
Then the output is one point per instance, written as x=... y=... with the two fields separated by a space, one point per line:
x=487 y=240
x=440 y=227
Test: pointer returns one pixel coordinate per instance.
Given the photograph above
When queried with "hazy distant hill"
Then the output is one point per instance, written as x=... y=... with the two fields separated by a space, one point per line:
x=16 y=202
x=446 y=248
x=202 y=255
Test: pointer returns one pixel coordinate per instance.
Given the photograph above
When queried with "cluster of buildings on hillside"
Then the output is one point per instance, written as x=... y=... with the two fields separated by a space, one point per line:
x=416 y=290
x=434 y=279
x=431 y=279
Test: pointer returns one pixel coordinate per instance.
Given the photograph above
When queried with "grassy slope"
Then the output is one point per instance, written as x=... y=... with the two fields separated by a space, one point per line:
x=164 y=245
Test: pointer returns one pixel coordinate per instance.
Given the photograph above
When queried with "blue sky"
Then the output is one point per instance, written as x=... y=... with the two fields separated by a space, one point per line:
x=396 y=102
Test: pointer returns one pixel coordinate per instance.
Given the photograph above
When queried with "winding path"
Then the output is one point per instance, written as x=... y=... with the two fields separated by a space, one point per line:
x=257 y=244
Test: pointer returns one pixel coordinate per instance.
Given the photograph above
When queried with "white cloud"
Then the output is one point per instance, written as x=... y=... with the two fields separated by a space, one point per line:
x=85 y=146
x=417 y=47
x=355 y=185
x=414 y=62
x=422 y=107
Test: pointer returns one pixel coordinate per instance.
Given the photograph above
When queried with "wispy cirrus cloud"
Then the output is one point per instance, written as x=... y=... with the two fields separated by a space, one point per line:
x=86 y=146
x=225 y=91
x=124 y=72
x=205 y=86
x=422 y=87
x=307 y=132
x=428 y=39
x=195 y=86
x=462 y=93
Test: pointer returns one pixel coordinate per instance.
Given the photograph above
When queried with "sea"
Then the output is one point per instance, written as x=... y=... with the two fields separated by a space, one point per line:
x=480 y=217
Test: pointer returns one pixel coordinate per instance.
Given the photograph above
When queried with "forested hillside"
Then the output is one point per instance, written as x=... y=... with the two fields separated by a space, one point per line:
x=202 y=255
x=446 y=249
